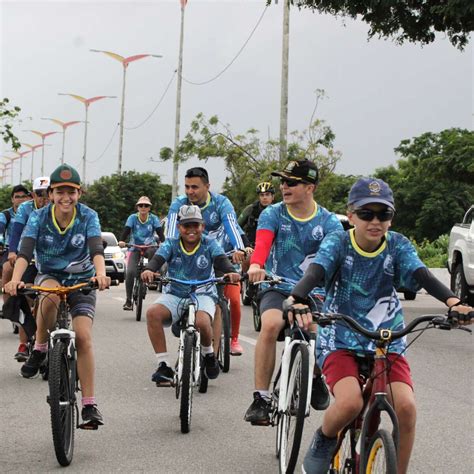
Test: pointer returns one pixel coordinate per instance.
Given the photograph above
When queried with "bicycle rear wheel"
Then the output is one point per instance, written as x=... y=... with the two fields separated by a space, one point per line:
x=224 y=348
x=62 y=401
x=382 y=454
x=292 y=419
x=257 y=320
x=141 y=291
x=186 y=402
x=344 y=461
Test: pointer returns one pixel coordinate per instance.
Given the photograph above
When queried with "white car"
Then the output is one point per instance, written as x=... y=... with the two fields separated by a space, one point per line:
x=115 y=265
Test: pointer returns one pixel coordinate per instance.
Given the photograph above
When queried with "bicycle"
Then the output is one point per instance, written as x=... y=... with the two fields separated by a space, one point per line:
x=291 y=393
x=223 y=354
x=362 y=446
x=189 y=373
x=139 y=287
x=62 y=371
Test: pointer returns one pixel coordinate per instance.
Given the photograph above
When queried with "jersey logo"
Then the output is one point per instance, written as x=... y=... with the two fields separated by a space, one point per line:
x=213 y=217
x=388 y=266
x=78 y=240
x=285 y=227
x=202 y=262
x=317 y=233
x=349 y=261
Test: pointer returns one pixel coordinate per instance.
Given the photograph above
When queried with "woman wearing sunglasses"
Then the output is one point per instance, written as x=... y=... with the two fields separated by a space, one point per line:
x=142 y=227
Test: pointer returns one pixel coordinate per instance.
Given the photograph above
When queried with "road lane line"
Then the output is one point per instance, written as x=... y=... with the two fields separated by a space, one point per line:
x=118 y=298
x=248 y=340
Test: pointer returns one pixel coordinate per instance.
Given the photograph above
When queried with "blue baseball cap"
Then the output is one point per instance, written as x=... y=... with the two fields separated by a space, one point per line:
x=369 y=191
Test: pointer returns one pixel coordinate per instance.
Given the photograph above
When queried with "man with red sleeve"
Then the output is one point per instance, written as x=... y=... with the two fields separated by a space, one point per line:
x=288 y=236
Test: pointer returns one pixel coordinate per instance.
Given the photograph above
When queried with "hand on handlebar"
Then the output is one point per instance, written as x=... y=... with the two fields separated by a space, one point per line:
x=232 y=277
x=122 y=244
x=12 y=286
x=148 y=276
x=102 y=281
x=256 y=273
x=462 y=314
x=297 y=312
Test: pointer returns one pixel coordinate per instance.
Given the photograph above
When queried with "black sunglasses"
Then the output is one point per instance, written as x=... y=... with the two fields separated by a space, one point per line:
x=143 y=205
x=369 y=215
x=291 y=183
x=20 y=196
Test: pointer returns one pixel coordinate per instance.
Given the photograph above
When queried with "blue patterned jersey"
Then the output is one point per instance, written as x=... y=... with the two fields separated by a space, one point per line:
x=362 y=285
x=18 y=223
x=219 y=219
x=296 y=241
x=196 y=265
x=4 y=225
x=143 y=233
x=63 y=254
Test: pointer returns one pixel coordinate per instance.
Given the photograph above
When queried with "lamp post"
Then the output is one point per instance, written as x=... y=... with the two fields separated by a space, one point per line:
x=125 y=62
x=86 y=103
x=32 y=148
x=43 y=138
x=20 y=155
x=64 y=126
x=10 y=165
x=4 y=168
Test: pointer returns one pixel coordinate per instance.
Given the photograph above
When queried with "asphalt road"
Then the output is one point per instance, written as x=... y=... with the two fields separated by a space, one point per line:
x=142 y=426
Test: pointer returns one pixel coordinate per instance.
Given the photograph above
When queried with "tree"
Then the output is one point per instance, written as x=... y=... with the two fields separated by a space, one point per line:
x=415 y=20
x=7 y=117
x=114 y=197
x=432 y=183
x=249 y=159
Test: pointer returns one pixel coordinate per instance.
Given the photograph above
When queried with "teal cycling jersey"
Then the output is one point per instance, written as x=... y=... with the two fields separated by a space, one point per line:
x=5 y=225
x=143 y=233
x=63 y=254
x=18 y=224
x=363 y=286
x=295 y=241
x=219 y=219
x=196 y=265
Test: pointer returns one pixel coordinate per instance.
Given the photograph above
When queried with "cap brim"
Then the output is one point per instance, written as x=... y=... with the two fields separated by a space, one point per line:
x=191 y=220
x=282 y=174
x=58 y=185
x=363 y=202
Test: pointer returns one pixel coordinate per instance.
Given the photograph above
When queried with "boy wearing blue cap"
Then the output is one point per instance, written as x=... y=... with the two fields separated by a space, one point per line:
x=362 y=268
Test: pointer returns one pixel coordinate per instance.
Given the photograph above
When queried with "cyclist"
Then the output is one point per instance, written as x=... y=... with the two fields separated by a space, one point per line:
x=65 y=237
x=248 y=220
x=291 y=233
x=190 y=257
x=363 y=267
x=141 y=226
x=40 y=199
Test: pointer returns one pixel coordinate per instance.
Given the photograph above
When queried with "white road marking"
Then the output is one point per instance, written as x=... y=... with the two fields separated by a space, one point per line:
x=248 y=340
x=118 y=298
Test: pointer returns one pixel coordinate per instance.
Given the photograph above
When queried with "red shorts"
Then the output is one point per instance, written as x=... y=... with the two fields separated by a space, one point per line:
x=342 y=363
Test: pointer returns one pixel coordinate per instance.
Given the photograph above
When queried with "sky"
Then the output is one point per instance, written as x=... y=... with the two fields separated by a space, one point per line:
x=377 y=92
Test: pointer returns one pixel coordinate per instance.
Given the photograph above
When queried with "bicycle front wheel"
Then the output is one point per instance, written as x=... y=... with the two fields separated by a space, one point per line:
x=224 y=349
x=62 y=402
x=292 y=419
x=186 y=402
x=382 y=454
x=257 y=321
x=141 y=289
x=344 y=461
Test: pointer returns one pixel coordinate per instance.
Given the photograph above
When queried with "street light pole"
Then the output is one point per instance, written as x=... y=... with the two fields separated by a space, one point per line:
x=174 y=186
x=125 y=61
x=33 y=149
x=284 y=81
x=85 y=145
x=64 y=126
x=43 y=138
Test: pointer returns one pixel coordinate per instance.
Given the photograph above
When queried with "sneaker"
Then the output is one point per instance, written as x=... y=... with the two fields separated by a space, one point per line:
x=258 y=412
x=319 y=394
x=91 y=418
x=319 y=455
x=211 y=366
x=31 y=367
x=22 y=353
x=128 y=306
x=164 y=375
x=235 y=347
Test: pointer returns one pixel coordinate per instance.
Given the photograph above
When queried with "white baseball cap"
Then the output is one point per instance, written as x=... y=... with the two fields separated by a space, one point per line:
x=41 y=183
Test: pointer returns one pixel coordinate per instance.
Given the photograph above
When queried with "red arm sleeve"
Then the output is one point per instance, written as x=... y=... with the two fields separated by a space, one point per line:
x=263 y=245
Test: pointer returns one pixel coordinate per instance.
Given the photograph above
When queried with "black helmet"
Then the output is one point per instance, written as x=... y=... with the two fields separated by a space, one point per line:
x=265 y=187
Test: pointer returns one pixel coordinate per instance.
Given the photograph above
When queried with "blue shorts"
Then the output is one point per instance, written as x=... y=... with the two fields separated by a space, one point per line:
x=176 y=305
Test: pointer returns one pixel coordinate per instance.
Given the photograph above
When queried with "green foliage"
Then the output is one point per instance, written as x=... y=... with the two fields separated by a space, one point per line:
x=415 y=21
x=432 y=183
x=8 y=115
x=114 y=197
x=333 y=191
x=434 y=254
x=249 y=159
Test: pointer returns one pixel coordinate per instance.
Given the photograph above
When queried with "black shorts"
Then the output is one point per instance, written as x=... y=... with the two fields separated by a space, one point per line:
x=273 y=299
x=30 y=273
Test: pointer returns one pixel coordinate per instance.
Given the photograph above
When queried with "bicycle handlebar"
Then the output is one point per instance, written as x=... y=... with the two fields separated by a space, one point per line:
x=208 y=281
x=437 y=320
x=83 y=286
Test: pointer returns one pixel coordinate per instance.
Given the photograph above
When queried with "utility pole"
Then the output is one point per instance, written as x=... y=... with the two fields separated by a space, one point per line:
x=284 y=81
x=174 y=187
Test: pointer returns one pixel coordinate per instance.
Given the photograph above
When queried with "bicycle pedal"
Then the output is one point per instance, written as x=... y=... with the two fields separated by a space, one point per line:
x=89 y=426
x=260 y=423
x=164 y=384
